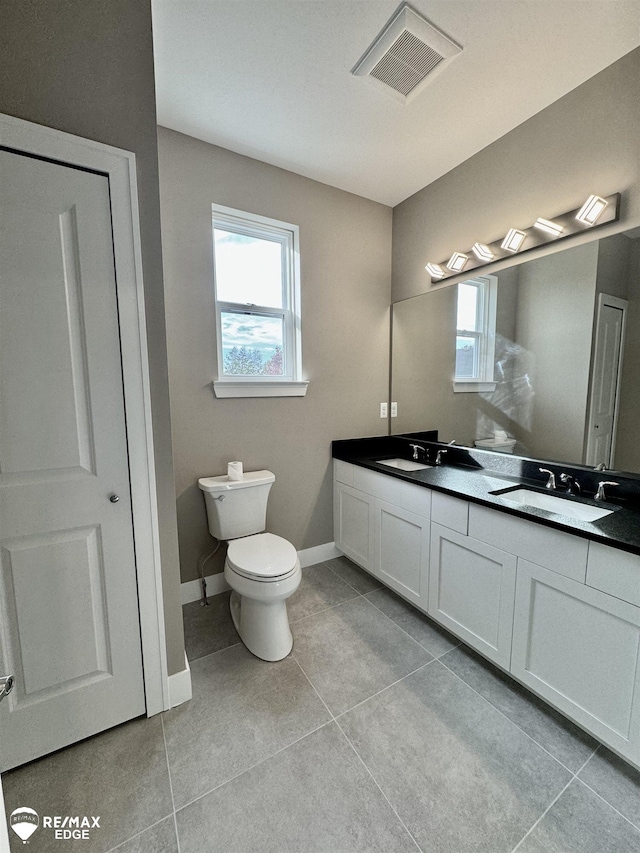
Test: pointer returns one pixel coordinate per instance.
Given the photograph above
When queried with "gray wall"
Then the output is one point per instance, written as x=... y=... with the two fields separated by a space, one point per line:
x=587 y=142
x=86 y=67
x=556 y=298
x=345 y=270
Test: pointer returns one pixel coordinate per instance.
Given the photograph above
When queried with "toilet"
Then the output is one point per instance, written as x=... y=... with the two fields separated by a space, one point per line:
x=262 y=569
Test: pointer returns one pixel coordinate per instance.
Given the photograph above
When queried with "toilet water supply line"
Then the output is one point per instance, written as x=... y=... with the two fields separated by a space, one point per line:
x=201 y=564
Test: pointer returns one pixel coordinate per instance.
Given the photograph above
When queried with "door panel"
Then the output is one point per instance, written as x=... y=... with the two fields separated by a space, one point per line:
x=68 y=597
x=402 y=551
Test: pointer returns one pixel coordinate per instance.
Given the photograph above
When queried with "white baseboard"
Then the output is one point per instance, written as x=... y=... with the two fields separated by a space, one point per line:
x=192 y=590
x=318 y=554
x=180 y=685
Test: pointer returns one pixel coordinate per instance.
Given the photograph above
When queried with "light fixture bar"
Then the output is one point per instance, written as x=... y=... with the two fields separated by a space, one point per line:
x=514 y=240
x=548 y=226
x=596 y=211
x=592 y=210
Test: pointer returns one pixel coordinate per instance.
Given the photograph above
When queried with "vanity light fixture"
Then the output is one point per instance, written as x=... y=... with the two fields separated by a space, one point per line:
x=591 y=210
x=482 y=252
x=435 y=271
x=514 y=240
x=596 y=211
x=457 y=262
x=547 y=225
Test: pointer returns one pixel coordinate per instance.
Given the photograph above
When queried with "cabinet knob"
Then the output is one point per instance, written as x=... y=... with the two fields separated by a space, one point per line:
x=114 y=498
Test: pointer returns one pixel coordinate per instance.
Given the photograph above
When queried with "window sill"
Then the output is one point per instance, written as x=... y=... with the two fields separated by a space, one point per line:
x=226 y=388
x=477 y=387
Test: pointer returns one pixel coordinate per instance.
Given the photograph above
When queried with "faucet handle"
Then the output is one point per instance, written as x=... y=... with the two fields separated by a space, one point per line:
x=551 y=482
x=600 y=495
x=416 y=449
x=439 y=456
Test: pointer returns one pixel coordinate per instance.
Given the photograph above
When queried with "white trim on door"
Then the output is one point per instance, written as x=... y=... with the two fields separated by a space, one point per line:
x=120 y=167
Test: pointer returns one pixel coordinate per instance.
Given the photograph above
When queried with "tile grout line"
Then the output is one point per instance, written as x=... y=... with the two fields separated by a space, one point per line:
x=600 y=797
x=375 y=782
x=555 y=800
x=383 y=689
x=333 y=718
x=253 y=766
x=324 y=609
x=209 y=654
x=173 y=801
x=325 y=563
x=138 y=834
x=426 y=648
x=502 y=714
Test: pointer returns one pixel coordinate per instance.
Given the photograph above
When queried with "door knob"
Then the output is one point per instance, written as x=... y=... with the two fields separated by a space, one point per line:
x=114 y=498
x=6 y=685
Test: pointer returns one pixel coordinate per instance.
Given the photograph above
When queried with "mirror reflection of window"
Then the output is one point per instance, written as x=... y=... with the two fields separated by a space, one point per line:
x=475 y=332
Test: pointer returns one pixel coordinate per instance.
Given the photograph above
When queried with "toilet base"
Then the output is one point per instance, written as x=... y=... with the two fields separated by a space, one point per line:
x=263 y=626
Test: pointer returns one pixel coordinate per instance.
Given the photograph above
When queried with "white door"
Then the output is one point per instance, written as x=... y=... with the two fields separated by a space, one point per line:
x=605 y=380
x=69 y=622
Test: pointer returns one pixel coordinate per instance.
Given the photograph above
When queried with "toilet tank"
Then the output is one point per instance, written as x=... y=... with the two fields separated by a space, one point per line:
x=237 y=508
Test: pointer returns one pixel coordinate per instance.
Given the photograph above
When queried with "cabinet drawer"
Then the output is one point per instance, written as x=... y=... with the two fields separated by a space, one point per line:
x=343 y=472
x=553 y=549
x=615 y=572
x=450 y=512
x=379 y=485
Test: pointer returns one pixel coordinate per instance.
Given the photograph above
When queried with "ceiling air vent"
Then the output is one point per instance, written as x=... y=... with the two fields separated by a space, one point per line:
x=407 y=49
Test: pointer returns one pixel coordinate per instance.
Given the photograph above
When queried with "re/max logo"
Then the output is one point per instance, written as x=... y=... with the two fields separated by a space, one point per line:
x=59 y=822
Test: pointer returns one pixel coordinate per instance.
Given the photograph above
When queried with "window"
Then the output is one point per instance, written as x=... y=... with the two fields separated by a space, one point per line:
x=475 y=334
x=257 y=293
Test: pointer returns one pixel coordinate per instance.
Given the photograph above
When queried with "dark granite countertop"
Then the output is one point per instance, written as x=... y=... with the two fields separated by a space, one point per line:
x=472 y=476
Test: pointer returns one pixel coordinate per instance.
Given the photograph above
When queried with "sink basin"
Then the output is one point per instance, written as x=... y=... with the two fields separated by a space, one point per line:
x=552 y=503
x=403 y=464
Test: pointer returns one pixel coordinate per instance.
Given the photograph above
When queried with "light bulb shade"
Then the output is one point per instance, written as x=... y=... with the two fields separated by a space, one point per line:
x=482 y=252
x=457 y=262
x=550 y=227
x=591 y=210
x=435 y=271
x=514 y=240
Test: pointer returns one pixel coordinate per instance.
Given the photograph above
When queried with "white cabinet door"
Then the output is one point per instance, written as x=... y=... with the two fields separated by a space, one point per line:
x=353 y=524
x=402 y=551
x=471 y=591
x=579 y=649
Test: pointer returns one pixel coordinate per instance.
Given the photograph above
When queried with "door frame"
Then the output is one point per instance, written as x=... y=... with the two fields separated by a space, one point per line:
x=622 y=305
x=120 y=168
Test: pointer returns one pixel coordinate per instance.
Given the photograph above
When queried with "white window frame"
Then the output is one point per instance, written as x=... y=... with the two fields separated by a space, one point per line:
x=288 y=235
x=485 y=334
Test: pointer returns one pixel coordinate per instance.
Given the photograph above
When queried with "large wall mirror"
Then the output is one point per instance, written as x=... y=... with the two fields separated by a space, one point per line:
x=540 y=359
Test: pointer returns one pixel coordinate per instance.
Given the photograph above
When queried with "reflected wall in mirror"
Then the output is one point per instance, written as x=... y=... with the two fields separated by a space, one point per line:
x=555 y=387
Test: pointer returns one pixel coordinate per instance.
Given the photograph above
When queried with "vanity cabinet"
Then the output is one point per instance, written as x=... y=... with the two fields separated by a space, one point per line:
x=578 y=648
x=402 y=551
x=471 y=591
x=353 y=524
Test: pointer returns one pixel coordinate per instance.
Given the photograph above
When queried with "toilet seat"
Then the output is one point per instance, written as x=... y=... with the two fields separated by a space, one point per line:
x=262 y=557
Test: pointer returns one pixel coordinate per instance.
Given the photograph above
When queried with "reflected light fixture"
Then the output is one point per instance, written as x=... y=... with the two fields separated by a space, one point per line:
x=435 y=271
x=591 y=210
x=482 y=252
x=514 y=240
x=457 y=262
x=547 y=225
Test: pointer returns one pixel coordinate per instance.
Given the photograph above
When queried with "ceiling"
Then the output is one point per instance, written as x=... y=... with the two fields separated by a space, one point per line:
x=271 y=79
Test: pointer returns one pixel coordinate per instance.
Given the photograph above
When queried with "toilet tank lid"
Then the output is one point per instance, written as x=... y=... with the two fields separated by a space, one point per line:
x=223 y=483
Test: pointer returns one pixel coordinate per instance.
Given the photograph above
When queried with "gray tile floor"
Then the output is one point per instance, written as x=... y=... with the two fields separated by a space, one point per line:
x=380 y=732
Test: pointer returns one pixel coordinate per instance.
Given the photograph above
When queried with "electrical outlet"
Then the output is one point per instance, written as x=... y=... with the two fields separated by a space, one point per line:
x=394 y=410
x=383 y=410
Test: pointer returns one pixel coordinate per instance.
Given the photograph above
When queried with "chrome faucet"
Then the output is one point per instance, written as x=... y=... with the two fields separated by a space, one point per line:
x=600 y=495
x=416 y=451
x=551 y=482
x=439 y=456
x=573 y=486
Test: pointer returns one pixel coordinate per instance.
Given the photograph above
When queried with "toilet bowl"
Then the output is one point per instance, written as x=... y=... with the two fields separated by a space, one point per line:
x=262 y=569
